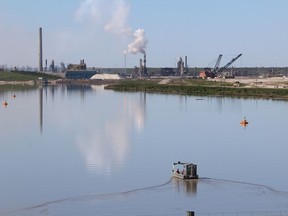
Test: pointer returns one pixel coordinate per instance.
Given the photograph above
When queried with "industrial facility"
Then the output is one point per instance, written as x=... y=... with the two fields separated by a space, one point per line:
x=181 y=69
x=140 y=71
x=79 y=71
x=218 y=72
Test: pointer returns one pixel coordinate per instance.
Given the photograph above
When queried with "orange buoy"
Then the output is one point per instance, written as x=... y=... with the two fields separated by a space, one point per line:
x=244 y=122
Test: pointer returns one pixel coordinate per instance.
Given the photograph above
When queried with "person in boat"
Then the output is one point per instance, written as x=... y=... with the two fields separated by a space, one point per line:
x=177 y=171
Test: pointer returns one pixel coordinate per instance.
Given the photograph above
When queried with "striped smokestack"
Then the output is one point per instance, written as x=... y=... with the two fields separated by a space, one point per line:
x=40 y=51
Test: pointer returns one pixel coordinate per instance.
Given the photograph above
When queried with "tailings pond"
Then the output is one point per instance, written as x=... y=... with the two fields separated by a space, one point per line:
x=70 y=150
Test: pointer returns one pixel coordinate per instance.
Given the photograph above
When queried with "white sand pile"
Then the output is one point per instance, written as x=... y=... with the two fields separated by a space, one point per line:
x=106 y=77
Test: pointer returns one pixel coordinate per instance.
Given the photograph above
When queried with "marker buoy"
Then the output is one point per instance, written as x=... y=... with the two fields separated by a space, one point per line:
x=5 y=103
x=244 y=122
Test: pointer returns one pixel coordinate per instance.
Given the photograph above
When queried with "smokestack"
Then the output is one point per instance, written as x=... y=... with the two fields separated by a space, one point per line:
x=186 y=64
x=40 y=51
x=145 y=69
x=141 y=68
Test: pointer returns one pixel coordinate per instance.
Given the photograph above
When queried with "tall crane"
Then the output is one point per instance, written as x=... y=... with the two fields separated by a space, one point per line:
x=228 y=64
x=208 y=72
x=215 y=69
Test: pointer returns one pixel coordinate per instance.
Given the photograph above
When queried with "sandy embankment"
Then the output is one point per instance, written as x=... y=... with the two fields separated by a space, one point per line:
x=271 y=82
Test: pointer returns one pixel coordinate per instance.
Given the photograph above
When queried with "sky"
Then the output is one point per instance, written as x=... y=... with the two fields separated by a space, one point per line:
x=112 y=33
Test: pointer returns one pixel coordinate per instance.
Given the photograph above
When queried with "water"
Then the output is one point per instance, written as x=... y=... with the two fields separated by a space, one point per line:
x=71 y=150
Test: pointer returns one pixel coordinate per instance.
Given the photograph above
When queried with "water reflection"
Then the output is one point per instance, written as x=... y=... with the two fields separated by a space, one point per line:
x=108 y=143
x=81 y=90
x=188 y=187
x=136 y=110
x=41 y=108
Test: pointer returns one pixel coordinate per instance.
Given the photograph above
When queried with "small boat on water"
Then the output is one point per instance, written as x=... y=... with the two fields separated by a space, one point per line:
x=184 y=170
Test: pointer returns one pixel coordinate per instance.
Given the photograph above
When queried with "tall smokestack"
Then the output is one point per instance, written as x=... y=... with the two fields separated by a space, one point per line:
x=186 y=65
x=145 y=69
x=40 y=51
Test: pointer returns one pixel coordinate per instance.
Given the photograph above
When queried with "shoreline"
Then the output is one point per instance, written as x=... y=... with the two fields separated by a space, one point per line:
x=239 y=87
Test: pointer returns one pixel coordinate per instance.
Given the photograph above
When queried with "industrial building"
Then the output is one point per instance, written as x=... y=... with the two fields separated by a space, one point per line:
x=79 y=71
x=140 y=71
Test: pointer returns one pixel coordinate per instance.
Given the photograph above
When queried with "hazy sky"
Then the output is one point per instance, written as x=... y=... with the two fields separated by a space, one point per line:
x=100 y=31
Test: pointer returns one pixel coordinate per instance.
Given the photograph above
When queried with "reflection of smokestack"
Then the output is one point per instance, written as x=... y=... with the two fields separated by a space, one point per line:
x=40 y=51
x=41 y=107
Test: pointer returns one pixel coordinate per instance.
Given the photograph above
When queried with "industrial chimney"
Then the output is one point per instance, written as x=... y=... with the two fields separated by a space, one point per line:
x=186 y=64
x=40 y=51
x=145 y=68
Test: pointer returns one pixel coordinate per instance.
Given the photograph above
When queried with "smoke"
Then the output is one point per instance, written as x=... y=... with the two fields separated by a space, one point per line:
x=88 y=9
x=118 y=22
x=113 y=15
x=139 y=44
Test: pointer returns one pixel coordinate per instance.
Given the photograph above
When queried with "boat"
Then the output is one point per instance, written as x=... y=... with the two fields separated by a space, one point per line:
x=184 y=170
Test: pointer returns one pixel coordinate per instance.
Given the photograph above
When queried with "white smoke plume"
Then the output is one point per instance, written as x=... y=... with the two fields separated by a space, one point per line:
x=139 y=44
x=88 y=9
x=118 y=22
x=113 y=15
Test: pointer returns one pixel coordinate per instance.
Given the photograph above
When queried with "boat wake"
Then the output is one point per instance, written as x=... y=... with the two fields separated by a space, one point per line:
x=42 y=209
x=258 y=186
x=89 y=197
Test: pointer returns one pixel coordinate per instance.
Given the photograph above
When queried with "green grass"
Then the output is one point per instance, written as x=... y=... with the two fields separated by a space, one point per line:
x=23 y=76
x=199 y=88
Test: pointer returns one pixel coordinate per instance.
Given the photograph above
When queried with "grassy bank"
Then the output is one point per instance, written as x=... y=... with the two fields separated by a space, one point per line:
x=199 y=88
x=17 y=76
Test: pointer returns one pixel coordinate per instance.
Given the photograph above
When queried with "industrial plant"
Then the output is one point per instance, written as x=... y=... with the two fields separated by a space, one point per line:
x=74 y=71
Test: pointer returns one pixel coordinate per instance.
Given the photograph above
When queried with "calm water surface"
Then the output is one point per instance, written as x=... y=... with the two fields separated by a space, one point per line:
x=71 y=150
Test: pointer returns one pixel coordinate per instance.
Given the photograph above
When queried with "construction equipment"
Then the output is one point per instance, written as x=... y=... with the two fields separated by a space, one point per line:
x=227 y=65
x=216 y=67
x=216 y=71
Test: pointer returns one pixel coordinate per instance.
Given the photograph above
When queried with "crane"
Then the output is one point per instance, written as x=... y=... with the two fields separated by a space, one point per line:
x=208 y=72
x=228 y=64
x=215 y=69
